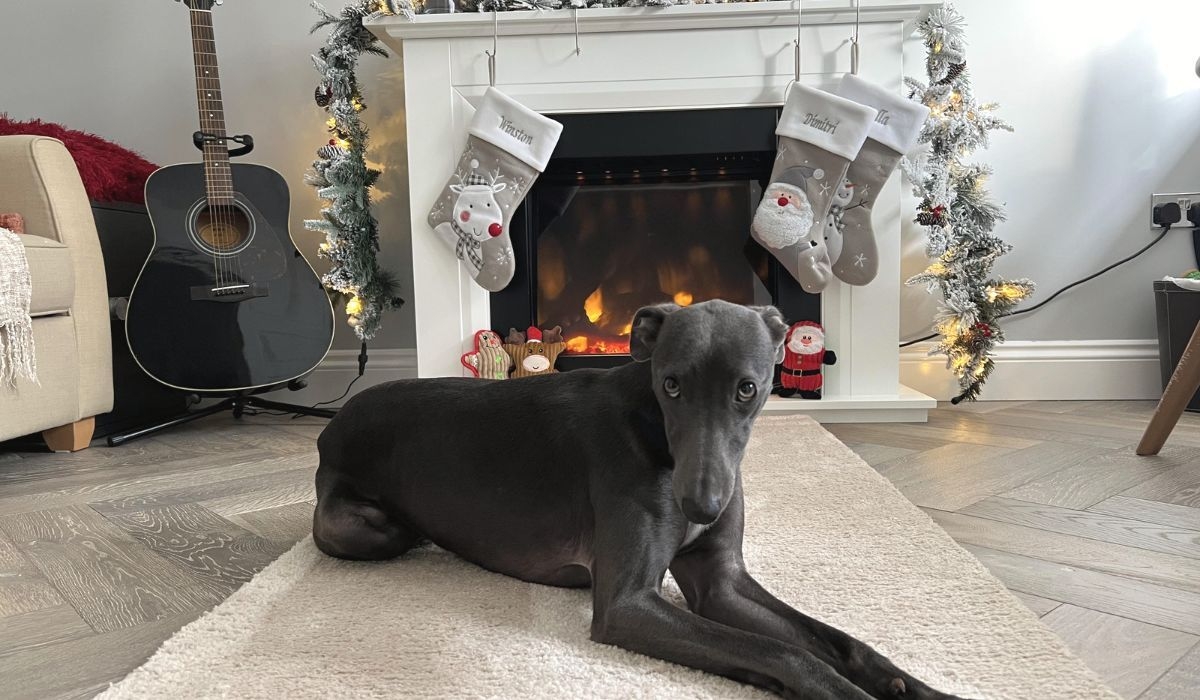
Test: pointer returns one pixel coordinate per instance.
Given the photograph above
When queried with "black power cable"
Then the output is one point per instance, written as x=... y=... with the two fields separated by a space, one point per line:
x=1165 y=228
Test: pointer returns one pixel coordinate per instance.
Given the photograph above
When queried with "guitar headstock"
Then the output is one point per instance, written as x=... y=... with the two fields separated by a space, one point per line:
x=203 y=5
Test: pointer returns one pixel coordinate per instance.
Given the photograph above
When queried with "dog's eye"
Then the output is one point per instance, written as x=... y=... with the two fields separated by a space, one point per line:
x=747 y=391
x=671 y=387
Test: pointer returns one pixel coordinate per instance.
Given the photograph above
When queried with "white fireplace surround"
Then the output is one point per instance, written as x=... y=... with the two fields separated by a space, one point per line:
x=652 y=58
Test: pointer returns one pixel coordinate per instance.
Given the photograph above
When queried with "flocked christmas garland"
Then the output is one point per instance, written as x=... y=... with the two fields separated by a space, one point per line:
x=340 y=172
x=956 y=210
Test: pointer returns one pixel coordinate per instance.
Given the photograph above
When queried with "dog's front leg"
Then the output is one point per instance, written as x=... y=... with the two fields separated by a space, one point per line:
x=630 y=556
x=713 y=578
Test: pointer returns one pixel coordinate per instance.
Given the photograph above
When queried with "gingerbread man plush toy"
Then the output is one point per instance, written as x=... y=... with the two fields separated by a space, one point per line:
x=488 y=360
x=804 y=355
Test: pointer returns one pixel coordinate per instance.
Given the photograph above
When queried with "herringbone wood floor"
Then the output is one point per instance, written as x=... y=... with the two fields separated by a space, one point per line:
x=105 y=553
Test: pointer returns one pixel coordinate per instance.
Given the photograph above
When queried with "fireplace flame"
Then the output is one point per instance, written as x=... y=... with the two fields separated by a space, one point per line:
x=683 y=298
x=593 y=306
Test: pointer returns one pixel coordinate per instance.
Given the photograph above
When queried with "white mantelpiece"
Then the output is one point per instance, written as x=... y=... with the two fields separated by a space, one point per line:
x=651 y=58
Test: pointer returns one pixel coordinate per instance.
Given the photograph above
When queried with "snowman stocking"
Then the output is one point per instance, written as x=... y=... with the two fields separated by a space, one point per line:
x=819 y=134
x=893 y=132
x=508 y=146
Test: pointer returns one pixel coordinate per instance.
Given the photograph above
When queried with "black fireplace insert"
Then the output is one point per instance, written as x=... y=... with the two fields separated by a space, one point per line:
x=640 y=208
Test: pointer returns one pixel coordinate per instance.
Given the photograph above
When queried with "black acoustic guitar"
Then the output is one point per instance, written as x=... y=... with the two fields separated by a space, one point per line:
x=225 y=301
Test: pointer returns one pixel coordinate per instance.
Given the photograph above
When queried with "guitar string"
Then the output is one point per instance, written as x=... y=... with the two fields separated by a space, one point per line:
x=228 y=211
x=215 y=206
x=221 y=211
x=200 y=92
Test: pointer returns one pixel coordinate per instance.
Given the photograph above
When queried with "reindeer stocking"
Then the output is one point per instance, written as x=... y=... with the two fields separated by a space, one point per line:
x=508 y=146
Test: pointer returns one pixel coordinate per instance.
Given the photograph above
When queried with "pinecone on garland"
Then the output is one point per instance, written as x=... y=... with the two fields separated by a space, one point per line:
x=952 y=72
x=328 y=151
x=932 y=217
x=323 y=95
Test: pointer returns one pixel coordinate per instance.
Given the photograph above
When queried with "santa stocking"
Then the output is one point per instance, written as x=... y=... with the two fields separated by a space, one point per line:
x=893 y=132
x=507 y=148
x=819 y=134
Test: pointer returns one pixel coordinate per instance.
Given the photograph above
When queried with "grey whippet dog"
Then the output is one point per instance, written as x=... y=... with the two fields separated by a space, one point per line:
x=605 y=478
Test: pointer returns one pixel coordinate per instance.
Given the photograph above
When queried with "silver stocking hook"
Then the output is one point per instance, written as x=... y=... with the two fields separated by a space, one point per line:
x=495 y=42
x=854 y=40
x=578 y=50
x=799 y=12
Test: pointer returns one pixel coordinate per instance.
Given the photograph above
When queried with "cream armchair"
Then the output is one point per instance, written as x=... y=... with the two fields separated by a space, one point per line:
x=38 y=180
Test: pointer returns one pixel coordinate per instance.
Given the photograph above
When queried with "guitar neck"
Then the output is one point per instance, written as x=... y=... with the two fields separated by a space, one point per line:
x=218 y=179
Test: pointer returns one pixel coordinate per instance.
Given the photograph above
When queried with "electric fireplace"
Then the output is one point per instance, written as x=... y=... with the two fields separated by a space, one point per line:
x=639 y=208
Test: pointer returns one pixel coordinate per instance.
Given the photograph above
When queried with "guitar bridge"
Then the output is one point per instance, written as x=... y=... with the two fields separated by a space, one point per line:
x=228 y=292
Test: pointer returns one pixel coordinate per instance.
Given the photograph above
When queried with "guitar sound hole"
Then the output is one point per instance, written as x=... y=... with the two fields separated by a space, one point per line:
x=223 y=228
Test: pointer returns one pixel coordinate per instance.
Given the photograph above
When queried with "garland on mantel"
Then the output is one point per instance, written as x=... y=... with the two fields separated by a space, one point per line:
x=340 y=173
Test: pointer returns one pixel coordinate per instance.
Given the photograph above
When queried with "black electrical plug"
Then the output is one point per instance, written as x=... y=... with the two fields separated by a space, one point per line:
x=1194 y=215
x=1168 y=214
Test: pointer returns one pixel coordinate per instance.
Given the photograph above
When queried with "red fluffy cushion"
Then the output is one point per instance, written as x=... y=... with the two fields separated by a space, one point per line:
x=110 y=173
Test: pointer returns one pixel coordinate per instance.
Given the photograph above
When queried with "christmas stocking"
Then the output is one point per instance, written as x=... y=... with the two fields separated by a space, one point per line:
x=819 y=134
x=508 y=146
x=893 y=132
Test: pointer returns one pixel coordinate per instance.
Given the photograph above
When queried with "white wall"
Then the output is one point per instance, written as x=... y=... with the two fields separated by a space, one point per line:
x=123 y=70
x=1105 y=104
x=1103 y=97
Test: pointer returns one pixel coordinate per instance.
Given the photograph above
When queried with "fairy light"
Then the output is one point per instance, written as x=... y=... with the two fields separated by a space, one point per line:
x=354 y=307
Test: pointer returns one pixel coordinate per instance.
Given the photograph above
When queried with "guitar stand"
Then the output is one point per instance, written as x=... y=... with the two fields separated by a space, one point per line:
x=237 y=404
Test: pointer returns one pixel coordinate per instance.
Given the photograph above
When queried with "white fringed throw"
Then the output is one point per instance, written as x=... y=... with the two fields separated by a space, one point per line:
x=16 y=327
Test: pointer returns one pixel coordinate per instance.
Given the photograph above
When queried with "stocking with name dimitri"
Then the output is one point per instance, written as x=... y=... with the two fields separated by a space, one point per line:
x=819 y=134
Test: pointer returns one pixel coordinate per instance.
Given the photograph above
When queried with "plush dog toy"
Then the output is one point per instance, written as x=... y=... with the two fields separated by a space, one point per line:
x=488 y=360
x=534 y=352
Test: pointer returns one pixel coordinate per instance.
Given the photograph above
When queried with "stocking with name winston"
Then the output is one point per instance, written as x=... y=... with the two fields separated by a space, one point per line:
x=508 y=146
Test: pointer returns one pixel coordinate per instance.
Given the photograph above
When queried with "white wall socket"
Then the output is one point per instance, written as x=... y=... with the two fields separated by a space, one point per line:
x=1183 y=199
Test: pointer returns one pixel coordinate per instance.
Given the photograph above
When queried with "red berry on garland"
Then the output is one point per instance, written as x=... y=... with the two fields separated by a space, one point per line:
x=984 y=329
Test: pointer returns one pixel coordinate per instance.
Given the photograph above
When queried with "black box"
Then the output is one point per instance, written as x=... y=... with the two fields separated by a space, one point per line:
x=126 y=238
x=1178 y=312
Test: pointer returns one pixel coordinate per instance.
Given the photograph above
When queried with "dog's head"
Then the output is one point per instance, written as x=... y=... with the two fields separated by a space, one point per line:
x=712 y=365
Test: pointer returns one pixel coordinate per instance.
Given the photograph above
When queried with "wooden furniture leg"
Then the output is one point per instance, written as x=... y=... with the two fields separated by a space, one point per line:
x=71 y=437
x=1183 y=385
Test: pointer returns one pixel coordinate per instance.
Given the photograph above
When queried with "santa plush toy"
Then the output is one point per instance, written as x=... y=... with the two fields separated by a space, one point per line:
x=804 y=355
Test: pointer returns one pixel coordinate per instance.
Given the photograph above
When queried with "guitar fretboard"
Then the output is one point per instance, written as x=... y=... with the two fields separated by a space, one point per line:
x=218 y=180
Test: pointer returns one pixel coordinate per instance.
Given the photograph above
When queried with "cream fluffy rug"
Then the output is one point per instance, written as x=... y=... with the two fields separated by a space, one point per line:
x=824 y=532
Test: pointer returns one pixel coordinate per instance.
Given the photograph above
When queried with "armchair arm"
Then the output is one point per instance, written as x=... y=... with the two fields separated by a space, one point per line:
x=38 y=179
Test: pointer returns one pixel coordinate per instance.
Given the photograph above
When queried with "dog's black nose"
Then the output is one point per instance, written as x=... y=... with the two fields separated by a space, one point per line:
x=702 y=511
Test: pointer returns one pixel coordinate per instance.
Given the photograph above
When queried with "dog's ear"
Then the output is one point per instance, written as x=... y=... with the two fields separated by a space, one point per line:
x=647 y=322
x=777 y=328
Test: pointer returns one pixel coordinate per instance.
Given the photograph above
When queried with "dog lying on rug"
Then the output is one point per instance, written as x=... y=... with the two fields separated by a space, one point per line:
x=644 y=477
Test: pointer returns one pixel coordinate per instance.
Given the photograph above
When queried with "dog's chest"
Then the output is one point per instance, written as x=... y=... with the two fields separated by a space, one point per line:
x=693 y=532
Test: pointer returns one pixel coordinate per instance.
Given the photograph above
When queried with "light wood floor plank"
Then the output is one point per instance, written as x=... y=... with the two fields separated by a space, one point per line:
x=109 y=578
x=1150 y=511
x=1179 y=486
x=23 y=588
x=1155 y=567
x=1029 y=429
x=1116 y=595
x=1090 y=525
x=246 y=486
x=284 y=526
x=97 y=486
x=1128 y=655
x=83 y=667
x=40 y=628
x=1180 y=682
x=1037 y=604
x=219 y=554
x=1089 y=482
x=964 y=474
